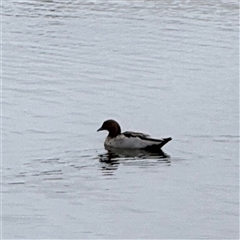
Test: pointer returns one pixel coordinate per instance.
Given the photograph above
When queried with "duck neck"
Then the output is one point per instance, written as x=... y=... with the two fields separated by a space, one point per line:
x=113 y=132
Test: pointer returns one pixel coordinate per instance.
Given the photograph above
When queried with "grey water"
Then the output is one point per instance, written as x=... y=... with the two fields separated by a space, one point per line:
x=166 y=68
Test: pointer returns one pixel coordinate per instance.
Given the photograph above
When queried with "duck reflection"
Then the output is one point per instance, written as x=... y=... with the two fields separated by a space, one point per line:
x=113 y=157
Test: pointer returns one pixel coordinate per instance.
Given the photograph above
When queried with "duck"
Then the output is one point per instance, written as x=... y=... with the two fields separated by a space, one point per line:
x=129 y=140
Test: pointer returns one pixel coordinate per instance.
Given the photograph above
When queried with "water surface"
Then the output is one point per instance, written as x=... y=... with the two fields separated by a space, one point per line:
x=165 y=68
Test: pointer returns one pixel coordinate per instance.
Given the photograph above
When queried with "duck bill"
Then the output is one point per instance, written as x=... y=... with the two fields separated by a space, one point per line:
x=100 y=129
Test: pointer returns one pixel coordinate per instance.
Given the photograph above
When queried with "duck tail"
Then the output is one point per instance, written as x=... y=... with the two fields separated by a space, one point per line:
x=157 y=147
x=164 y=141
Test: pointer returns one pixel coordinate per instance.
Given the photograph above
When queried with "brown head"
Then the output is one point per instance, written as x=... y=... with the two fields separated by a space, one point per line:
x=112 y=127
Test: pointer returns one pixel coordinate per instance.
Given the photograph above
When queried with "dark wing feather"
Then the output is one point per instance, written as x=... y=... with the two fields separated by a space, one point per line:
x=135 y=134
x=154 y=143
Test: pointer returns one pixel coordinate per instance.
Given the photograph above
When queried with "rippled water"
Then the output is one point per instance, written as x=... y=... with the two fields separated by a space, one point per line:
x=167 y=68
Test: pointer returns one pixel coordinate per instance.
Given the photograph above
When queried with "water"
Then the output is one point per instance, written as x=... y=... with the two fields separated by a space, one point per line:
x=165 y=68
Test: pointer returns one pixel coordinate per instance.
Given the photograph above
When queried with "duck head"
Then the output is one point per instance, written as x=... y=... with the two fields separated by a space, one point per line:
x=112 y=127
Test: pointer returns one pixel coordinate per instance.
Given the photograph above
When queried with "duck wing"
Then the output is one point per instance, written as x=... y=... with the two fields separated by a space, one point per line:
x=146 y=142
x=135 y=134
